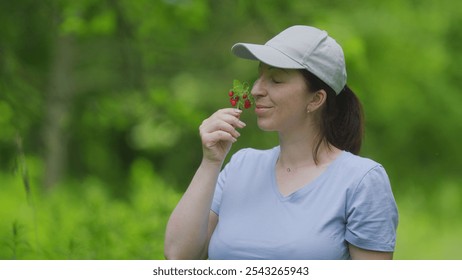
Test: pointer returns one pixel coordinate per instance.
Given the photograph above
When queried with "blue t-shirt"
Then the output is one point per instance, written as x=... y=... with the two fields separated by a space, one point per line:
x=350 y=202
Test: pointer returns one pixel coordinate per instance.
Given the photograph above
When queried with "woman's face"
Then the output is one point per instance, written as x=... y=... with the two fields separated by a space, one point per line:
x=281 y=98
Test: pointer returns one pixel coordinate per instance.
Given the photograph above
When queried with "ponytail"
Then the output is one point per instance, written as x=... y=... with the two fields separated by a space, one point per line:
x=341 y=120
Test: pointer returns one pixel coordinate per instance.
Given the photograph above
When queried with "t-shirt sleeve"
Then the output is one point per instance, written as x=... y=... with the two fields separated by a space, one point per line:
x=372 y=215
x=216 y=203
x=217 y=197
x=229 y=168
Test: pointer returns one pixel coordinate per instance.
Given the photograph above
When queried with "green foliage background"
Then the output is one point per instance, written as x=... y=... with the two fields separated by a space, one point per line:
x=100 y=102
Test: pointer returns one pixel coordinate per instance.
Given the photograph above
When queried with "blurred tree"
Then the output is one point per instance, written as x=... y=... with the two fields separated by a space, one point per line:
x=91 y=86
x=57 y=103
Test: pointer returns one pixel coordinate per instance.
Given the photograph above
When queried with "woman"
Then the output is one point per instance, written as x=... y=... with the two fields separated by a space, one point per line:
x=311 y=197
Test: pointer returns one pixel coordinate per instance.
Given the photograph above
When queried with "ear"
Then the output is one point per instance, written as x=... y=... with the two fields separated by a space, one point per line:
x=317 y=99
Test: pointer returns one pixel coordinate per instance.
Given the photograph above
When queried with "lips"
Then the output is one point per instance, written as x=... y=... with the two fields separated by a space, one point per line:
x=261 y=109
x=260 y=106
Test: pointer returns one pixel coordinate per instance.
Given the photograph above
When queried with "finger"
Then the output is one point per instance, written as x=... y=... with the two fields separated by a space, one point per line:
x=223 y=115
x=217 y=124
x=230 y=116
x=211 y=139
x=232 y=111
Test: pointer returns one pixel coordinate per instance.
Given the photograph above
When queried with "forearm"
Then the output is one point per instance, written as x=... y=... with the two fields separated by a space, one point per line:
x=187 y=230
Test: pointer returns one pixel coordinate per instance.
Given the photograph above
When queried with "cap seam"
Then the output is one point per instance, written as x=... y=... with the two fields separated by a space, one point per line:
x=321 y=38
x=286 y=55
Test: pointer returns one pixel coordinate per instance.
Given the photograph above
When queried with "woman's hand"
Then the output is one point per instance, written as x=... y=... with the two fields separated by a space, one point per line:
x=218 y=133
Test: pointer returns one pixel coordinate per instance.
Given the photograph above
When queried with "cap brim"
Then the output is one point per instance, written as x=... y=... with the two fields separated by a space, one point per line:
x=265 y=54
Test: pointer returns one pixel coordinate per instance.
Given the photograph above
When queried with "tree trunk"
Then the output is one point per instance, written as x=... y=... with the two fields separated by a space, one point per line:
x=57 y=105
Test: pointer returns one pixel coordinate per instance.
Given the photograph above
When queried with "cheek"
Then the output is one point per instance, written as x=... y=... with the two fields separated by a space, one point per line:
x=293 y=107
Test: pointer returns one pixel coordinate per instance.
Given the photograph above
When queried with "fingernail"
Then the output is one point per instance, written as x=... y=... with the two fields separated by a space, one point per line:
x=237 y=110
x=242 y=123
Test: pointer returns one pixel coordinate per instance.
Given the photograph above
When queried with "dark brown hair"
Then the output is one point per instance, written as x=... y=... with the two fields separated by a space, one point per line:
x=341 y=120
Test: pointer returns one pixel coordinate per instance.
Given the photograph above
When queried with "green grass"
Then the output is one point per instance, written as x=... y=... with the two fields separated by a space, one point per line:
x=430 y=226
x=82 y=221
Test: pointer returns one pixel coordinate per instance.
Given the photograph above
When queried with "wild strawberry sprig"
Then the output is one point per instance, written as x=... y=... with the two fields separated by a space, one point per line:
x=239 y=95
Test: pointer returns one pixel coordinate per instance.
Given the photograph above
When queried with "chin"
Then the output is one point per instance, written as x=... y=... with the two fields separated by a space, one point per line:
x=265 y=126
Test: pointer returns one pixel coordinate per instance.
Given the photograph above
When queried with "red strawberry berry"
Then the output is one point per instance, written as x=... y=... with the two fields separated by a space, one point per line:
x=240 y=91
x=247 y=104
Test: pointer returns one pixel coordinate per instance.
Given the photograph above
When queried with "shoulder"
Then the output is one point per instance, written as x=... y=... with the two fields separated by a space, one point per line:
x=360 y=167
x=254 y=155
x=353 y=162
x=367 y=175
x=361 y=172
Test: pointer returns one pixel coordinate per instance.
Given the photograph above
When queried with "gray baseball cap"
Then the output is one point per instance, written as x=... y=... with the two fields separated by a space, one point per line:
x=301 y=47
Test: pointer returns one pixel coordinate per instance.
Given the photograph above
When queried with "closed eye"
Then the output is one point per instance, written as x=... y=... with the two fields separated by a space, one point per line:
x=275 y=81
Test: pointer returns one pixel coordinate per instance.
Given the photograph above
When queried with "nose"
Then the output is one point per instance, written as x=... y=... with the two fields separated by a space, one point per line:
x=258 y=88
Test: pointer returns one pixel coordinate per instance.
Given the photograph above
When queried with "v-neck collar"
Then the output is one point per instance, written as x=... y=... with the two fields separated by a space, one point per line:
x=305 y=188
